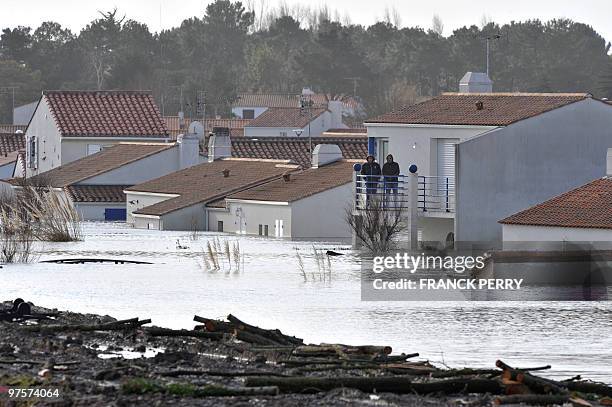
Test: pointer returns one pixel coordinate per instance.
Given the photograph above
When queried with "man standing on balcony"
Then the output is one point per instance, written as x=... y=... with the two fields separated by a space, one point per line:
x=390 y=172
x=371 y=170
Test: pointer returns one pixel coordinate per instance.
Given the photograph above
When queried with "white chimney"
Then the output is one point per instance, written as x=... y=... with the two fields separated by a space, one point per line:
x=219 y=144
x=475 y=82
x=189 y=150
x=307 y=91
x=335 y=107
x=609 y=163
x=324 y=154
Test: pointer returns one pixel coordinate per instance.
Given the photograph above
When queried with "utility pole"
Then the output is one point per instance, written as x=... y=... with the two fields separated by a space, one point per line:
x=488 y=40
x=201 y=109
x=354 y=79
x=306 y=106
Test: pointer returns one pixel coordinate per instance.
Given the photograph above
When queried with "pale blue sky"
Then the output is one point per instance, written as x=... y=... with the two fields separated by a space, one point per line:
x=454 y=13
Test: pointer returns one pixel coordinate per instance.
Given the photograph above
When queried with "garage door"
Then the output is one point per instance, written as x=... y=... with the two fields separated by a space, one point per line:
x=114 y=214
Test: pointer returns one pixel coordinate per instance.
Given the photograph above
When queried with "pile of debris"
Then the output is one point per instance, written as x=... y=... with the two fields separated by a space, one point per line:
x=237 y=361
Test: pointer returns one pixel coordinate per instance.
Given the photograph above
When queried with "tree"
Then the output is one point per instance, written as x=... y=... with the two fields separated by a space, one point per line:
x=16 y=43
x=28 y=84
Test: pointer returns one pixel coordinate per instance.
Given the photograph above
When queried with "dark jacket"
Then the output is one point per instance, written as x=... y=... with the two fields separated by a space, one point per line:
x=390 y=169
x=371 y=169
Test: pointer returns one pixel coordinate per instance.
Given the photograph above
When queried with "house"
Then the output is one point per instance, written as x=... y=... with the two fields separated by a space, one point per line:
x=68 y=125
x=177 y=126
x=580 y=216
x=179 y=201
x=307 y=204
x=484 y=156
x=252 y=105
x=95 y=183
x=13 y=128
x=10 y=145
x=295 y=122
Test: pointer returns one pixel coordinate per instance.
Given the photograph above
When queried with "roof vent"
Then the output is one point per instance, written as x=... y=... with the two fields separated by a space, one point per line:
x=475 y=82
x=287 y=177
x=226 y=173
x=479 y=105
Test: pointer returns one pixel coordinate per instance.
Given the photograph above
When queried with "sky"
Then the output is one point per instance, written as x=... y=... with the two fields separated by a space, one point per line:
x=454 y=13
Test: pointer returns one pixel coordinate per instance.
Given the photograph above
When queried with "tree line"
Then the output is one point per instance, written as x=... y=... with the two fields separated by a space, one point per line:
x=232 y=47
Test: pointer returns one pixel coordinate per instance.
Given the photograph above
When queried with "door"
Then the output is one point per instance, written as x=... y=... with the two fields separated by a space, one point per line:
x=446 y=172
x=114 y=214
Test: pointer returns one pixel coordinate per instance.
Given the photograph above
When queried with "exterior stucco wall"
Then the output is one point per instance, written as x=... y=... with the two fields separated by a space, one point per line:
x=189 y=218
x=417 y=144
x=510 y=169
x=538 y=238
x=322 y=216
x=245 y=217
x=42 y=126
x=147 y=223
x=95 y=211
x=435 y=229
x=139 y=202
x=317 y=127
x=148 y=168
x=75 y=148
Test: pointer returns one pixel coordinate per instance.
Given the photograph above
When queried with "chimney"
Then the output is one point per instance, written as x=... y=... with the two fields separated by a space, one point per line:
x=219 y=144
x=287 y=177
x=335 y=107
x=226 y=173
x=189 y=150
x=324 y=154
x=475 y=82
x=609 y=163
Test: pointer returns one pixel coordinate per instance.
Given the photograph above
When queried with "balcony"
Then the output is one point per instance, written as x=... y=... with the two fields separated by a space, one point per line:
x=435 y=196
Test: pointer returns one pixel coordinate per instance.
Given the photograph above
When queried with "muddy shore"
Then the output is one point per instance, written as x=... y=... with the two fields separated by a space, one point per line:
x=98 y=361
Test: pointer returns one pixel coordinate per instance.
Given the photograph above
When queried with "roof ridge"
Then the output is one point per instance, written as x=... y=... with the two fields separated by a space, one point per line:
x=543 y=94
x=136 y=92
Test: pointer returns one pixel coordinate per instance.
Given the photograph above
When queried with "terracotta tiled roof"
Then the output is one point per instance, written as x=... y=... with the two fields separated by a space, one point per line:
x=296 y=149
x=235 y=125
x=12 y=128
x=10 y=142
x=96 y=193
x=497 y=109
x=289 y=100
x=285 y=117
x=588 y=206
x=106 y=114
x=300 y=184
x=206 y=183
x=108 y=159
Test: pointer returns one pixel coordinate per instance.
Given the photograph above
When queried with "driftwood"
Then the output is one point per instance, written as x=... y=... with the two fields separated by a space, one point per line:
x=125 y=324
x=220 y=373
x=589 y=387
x=184 y=332
x=533 y=399
x=213 y=325
x=535 y=383
x=274 y=335
x=393 y=384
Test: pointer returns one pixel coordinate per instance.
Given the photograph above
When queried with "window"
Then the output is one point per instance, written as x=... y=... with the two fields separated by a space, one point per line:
x=383 y=148
x=93 y=148
x=248 y=113
x=220 y=226
x=266 y=230
x=32 y=153
x=260 y=229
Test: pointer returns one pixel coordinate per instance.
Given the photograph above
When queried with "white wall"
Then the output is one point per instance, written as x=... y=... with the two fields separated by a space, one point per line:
x=527 y=237
x=147 y=223
x=137 y=172
x=74 y=148
x=317 y=127
x=322 y=215
x=402 y=139
x=435 y=229
x=190 y=218
x=140 y=201
x=44 y=129
x=252 y=215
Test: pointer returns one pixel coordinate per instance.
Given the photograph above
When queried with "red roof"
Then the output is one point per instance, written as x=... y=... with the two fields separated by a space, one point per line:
x=11 y=142
x=479 y=109
x=106 y=114
x=588 y=206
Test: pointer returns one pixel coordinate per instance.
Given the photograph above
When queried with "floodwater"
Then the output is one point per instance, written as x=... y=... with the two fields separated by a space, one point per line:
x=270 y=291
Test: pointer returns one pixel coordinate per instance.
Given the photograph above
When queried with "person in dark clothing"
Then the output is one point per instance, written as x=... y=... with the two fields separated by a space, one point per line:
x=371 y=170
x=390 y=172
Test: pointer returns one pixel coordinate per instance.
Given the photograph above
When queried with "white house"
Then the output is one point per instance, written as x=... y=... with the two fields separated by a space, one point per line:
x=68 y=125
x=582 y=216
x=95 y=183
x=295 y=122
x=10 y=145
x=484 y=156
x=307 y=204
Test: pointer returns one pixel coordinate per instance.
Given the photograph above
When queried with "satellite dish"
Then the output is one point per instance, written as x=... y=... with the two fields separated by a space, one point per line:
x=196 y=128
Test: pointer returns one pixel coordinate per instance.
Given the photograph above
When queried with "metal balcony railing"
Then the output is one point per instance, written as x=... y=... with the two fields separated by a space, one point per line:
x=434 y=194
